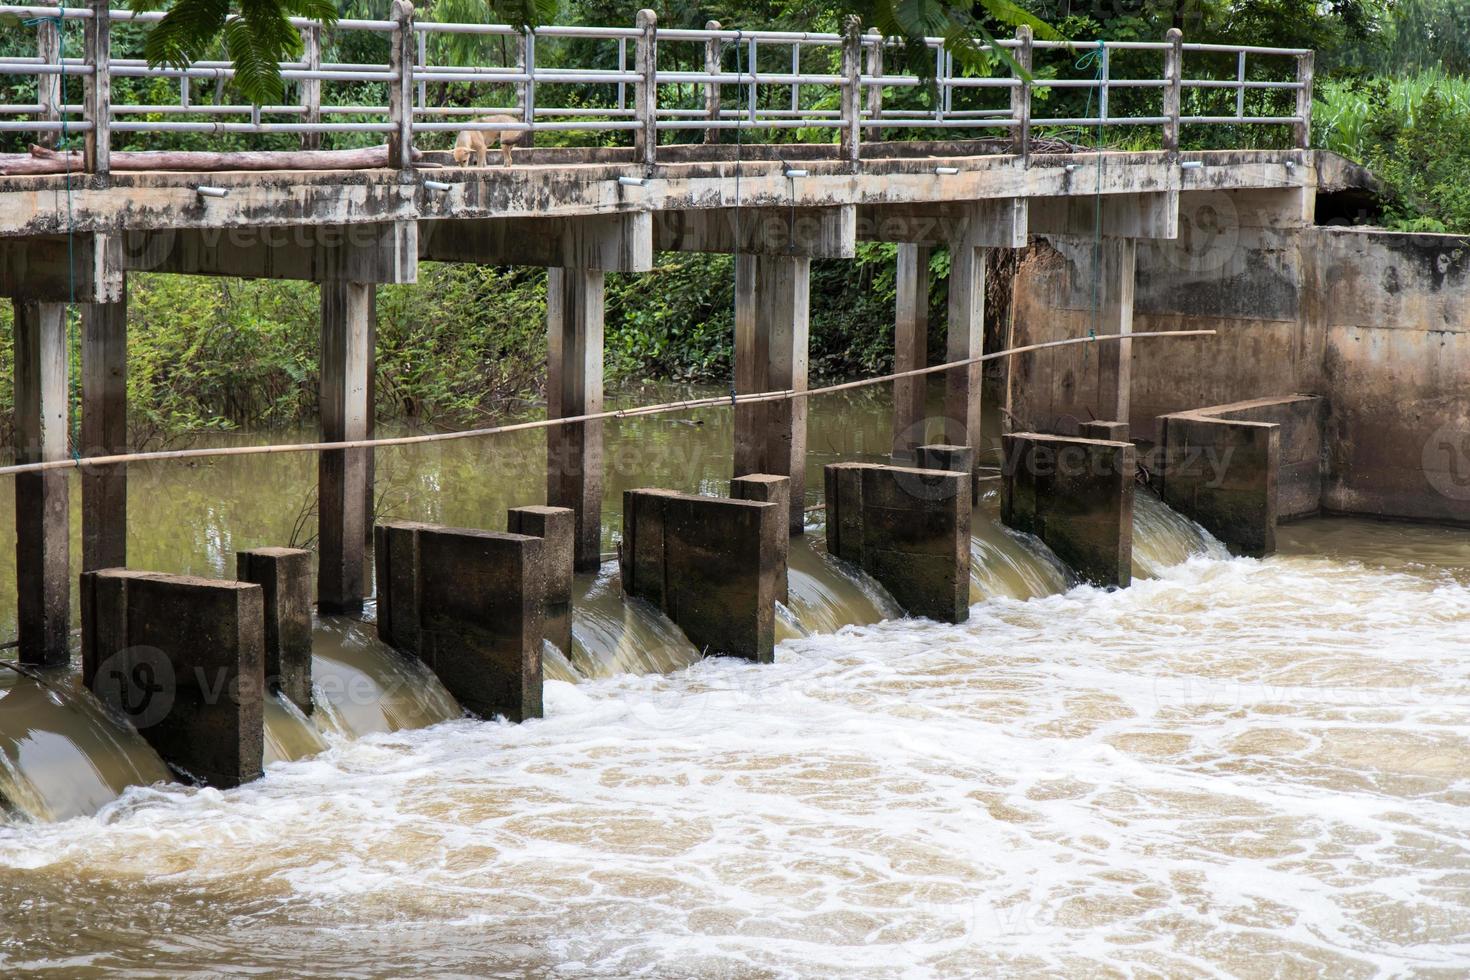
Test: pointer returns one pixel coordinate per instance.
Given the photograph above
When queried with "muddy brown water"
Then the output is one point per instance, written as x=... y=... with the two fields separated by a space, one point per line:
x=1233 y=767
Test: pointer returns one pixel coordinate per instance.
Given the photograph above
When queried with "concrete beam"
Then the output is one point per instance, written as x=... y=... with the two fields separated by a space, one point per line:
x=104 y=433
x=342 y=476
x=378 y=252
x=42 y=511
x=183 y=659
x=620 y=242
x=1001 y=223
x=583 y=186
x=820 y=233
x=1145 y=215
x=49 y=268
x=771 y=328
x=574 y=308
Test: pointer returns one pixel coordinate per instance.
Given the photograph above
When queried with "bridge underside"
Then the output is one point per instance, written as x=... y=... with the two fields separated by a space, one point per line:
x=581 y=214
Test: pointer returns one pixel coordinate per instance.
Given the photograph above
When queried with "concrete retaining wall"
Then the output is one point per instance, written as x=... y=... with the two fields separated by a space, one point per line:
x=471 y=605
x=284 y=576
x=710 y=563
x=909 y=529
x=1377 y=323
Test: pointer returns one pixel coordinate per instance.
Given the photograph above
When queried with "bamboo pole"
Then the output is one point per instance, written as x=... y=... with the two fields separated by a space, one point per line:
x=622 y=413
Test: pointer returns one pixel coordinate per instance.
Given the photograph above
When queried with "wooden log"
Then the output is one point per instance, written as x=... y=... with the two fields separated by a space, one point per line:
x=42 y=160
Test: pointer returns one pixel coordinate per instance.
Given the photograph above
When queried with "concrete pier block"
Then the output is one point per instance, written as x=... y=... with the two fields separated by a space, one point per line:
x=954 y=459
x=909 y=529
x=1240 y=468
x=770 y=489
x=1107 y=431
x=710 y=564
x=284 y=576
x=556 y=527
x=183 y=659
x=1077 y=496
x=471 y=605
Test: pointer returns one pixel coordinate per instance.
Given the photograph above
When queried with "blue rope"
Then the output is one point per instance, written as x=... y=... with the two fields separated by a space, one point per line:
x=64 y=143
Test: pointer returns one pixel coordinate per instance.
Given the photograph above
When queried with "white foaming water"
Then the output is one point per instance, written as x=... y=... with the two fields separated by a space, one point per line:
x=1238 y=767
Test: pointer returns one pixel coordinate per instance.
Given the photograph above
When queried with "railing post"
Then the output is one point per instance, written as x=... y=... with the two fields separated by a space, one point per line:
x=97 y=90
x=852 y=90
x=713 y=48
x=48 y=87
x=1303 y=127
x=645 y=93
x=1174 y=90
x=400 y=92
x=526 y=90
x=311 y=88
x=875 y=91
x=1021 y=96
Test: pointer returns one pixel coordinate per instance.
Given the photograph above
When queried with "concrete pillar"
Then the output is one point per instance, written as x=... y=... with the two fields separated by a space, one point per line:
x=182 y=659
x=909 y=529
x=42 y=513
x=105 y=433
x=284 y=577
x=471 y=605
x=1118 y=260
x=574 y=387
x=910 y=349
x=766 y=488
x=771 y=327
x=556 y=527
x=1076 y=495
x=347 y=310
x=965 y=339
x=709 y=563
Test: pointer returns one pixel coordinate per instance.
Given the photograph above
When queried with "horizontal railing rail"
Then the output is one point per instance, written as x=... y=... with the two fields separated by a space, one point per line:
x=654 y=83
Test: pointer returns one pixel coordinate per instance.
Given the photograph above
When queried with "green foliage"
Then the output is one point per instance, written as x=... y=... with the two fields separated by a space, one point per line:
x=1414 y=135
x=254 y=34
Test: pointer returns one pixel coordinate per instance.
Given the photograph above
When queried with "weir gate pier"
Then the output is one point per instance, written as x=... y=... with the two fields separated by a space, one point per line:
x=74 y=224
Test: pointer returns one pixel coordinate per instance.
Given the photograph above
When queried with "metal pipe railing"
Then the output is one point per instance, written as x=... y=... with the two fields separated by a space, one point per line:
x=761 y=80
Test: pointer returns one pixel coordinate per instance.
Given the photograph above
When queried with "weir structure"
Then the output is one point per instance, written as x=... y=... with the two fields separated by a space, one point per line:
x=73 y=226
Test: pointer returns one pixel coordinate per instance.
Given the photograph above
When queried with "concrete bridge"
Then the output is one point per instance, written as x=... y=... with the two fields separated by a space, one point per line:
x=73 y=236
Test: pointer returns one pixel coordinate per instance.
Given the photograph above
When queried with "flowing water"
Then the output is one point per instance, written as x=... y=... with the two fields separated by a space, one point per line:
x=1232 y=767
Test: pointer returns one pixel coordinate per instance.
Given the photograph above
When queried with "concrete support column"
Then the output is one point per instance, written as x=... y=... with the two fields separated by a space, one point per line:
x=1116 y=267
x=574 y=387
x=105 y=433
x=966 y=338
x=910 y=350
x=346 y=354
x=42 y=528
x=771 y=326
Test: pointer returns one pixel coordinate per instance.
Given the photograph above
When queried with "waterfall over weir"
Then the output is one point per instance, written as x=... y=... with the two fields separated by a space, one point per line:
x=62 y=755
